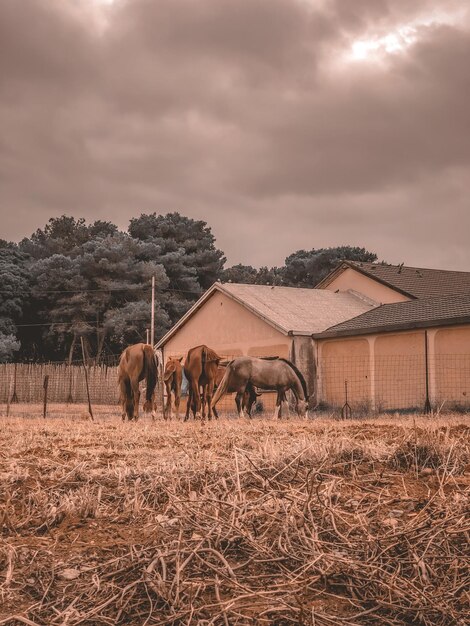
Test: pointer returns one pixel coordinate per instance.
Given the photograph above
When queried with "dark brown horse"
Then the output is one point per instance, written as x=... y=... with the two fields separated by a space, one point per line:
x=137 y=363
x=200 y=368
x=173 y=377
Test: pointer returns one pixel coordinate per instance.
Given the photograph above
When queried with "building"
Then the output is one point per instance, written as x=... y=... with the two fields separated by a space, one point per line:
x=399 y=356
x=382 y=337
x=260 y=320
x=395 y=283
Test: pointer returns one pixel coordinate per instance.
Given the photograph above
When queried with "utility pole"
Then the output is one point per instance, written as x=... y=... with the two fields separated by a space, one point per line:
x=152 y=323
x=148 y=336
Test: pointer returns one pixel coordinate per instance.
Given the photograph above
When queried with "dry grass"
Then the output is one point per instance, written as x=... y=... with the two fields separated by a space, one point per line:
x=235 y=522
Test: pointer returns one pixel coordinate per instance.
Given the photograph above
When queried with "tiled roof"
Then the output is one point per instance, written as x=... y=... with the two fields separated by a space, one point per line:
x=295 y=310
x=446 y=310
x=289 y=309
x=414 y=281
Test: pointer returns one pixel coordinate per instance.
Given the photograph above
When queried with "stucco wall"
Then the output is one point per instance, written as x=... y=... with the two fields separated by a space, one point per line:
x=350 y=279
x=230 y=329
x=452 y=370
x=389 y=370
x=400 y=377
x=344 y=360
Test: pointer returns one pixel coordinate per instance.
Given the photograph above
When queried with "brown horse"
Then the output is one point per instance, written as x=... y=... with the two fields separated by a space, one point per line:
x=172 y=378
x=277 y=374
x=200 y=368
x=137 y=362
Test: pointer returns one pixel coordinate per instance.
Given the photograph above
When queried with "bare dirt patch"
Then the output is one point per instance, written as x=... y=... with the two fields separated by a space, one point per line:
x=235 y=522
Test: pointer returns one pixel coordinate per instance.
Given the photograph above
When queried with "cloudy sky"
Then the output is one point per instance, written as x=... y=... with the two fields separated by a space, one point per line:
x=284 y=124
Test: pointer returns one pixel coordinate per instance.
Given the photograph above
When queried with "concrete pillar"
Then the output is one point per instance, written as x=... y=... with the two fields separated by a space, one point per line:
x=317 y=351
x=371 y=341
x=432 y=332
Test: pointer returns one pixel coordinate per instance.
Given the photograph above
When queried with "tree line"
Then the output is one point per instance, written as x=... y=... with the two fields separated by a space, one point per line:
x=73 y=280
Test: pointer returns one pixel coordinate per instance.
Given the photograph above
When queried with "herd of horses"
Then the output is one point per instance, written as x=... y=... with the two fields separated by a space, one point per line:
x=209 y=379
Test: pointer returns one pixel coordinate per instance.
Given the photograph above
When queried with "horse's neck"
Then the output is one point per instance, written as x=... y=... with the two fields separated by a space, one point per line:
x=298 y=389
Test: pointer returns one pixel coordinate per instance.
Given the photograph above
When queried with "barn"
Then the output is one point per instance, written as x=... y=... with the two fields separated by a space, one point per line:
x=379 y=336
x=261 y=320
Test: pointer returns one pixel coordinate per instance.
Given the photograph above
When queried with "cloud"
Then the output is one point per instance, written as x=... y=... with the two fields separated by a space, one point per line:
x=248 y=114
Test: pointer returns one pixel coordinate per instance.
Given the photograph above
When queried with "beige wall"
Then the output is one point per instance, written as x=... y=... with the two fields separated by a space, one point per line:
x=341 y=360
x=452 y=369
x=350 y=279
x=388 y=370
x=399 y=370
x=230 y=329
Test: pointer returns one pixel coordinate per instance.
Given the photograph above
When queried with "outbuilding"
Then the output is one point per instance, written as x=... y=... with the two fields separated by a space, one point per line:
x=262 y=320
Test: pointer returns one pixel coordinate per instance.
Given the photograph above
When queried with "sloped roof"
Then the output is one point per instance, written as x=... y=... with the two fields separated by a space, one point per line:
x=290 y=310
x=423 y=313
x=415 y=282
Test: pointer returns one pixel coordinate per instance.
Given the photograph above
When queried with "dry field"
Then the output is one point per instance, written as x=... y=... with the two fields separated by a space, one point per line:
x=235 y=522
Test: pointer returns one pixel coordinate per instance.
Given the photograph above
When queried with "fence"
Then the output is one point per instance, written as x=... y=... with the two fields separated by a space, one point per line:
x=395 y=383
x=25 y=387
x=360 y=385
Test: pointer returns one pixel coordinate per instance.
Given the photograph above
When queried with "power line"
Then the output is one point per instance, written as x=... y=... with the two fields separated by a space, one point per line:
x=107 y=290
x=134 y=319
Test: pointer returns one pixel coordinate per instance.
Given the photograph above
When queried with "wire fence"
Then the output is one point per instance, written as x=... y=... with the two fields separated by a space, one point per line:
x=347 y=386
x=395 y=383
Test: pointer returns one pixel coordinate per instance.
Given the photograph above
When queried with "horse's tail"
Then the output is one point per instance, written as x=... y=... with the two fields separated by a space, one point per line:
x=151 y=375
x=223 y=386
x=208 y=355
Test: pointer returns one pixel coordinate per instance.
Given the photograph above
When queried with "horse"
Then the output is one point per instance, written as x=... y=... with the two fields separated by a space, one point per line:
x=200 y=368
x=250 y=396
x=172 y=378
x=137 y=362
x=277 y=374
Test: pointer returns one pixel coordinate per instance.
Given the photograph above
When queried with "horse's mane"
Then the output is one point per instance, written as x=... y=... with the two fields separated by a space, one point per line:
x=299 y=374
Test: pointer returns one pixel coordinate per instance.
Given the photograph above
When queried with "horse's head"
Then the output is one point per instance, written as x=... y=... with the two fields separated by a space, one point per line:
x=302 y=408
x=172 y=365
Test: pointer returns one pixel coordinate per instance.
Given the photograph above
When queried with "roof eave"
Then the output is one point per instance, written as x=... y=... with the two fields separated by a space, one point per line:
x=371 y=330
x=351 y=264
x=203 y=299
x=332 y=275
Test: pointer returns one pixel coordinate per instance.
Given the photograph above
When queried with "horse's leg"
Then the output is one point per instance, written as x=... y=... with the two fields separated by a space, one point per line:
x=203 y=402
x=277 y=409
x=239 y=402
x=177 y=404
x=188 y=405
x=196 y=398
x=136 y=396
x=209 y=393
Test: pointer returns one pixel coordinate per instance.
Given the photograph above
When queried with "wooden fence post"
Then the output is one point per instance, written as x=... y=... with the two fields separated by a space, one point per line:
x=46 y=386
x=14 y=397
x=86 y=381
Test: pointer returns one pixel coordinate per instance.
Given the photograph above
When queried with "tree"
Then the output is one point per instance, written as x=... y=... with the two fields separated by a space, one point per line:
x=181 y=240
x=13 y=293
x=239 y=274
x=306 y=268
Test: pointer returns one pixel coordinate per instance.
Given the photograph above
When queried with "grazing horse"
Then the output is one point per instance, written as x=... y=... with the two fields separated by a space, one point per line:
x=137 y=363
x=250 y=396
x=173 y=377
x=278 y=374
x=200 y=368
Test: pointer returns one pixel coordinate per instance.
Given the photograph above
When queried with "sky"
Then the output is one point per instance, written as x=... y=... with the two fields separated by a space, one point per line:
x=285 y=124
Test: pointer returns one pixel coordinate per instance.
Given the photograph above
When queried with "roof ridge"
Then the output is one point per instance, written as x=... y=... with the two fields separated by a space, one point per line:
x=403 y=266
